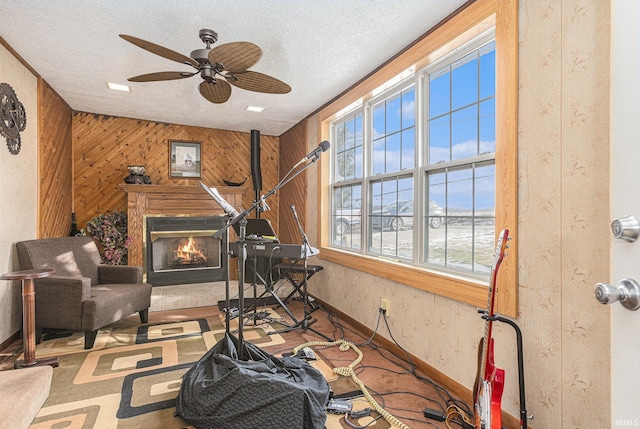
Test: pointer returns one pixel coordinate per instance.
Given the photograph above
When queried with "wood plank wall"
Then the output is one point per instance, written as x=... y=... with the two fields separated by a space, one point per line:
x=293 y=148
x=103 y=147
x=55 y=178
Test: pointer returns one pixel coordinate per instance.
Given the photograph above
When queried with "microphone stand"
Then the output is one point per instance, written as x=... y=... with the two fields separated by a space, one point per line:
x=242 y=244
x=242 y=256
x=306 y=319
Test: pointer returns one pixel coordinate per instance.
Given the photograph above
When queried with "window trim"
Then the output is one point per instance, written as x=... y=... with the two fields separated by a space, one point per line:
x=467 y=23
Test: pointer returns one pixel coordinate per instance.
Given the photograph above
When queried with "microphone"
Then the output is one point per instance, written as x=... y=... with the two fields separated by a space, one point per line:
x=322 y=147
x=228 y=208
x=263 y=205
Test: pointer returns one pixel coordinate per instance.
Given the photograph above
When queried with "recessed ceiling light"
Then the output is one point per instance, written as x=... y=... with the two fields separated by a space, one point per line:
x=254 y=109
x=118 y=87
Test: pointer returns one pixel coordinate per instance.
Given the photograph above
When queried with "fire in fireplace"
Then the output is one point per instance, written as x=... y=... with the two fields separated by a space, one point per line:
x=189 y=255
x=182 y=249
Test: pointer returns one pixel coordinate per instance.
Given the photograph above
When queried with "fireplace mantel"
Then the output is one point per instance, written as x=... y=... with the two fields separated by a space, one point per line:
x=169 y=200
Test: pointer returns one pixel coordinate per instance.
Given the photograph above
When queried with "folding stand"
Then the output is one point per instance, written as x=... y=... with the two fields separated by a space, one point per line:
x=287 y=272
x=307 y=321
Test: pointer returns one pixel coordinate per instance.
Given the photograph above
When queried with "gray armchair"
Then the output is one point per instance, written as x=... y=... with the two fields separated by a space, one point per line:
x=83 y=294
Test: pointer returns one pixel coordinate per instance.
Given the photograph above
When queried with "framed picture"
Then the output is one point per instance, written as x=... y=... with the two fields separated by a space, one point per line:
x=184 y=160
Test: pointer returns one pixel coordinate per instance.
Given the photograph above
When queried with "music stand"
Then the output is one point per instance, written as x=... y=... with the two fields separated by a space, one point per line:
x=258 y=229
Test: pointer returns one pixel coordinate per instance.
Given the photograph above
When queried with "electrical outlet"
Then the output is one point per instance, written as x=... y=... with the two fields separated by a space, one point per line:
x=385 y=304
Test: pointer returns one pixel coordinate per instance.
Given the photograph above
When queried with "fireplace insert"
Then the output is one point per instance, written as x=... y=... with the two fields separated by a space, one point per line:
x=182 y=249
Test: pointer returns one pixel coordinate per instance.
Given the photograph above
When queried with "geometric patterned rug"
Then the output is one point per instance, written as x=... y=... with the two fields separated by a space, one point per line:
x=131 y=377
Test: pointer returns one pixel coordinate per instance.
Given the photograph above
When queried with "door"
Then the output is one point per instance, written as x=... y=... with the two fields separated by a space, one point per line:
x=625 y=200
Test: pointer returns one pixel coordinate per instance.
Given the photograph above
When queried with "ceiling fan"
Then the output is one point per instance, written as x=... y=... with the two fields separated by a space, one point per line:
x=219 y=67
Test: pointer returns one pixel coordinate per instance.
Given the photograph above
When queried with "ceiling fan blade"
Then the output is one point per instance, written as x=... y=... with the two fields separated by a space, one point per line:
x=160 y=50
x=218 y=92
x=153 y=77
x=259 y=82
x=236 y=56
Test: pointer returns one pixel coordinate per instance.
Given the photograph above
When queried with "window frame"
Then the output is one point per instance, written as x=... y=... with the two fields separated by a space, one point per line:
x=467 y=23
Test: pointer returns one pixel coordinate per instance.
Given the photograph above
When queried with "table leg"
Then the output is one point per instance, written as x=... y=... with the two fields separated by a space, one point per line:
x=29 y=329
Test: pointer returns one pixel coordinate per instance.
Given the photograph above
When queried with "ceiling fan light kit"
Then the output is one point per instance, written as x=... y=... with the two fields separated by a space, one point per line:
x=219 y=67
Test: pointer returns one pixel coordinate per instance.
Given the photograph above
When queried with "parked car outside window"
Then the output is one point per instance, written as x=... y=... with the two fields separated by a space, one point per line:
x=399 y=215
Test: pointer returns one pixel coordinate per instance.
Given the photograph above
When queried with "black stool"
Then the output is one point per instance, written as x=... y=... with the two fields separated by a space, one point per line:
x=289 y=271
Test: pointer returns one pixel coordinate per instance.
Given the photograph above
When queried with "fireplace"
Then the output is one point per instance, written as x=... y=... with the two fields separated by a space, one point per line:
x=182 y=249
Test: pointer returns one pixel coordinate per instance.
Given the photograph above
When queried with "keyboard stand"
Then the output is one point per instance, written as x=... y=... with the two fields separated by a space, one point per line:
x=268 y=289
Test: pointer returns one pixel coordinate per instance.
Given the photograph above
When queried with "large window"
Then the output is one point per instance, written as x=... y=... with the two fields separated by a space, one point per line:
x=424 y=171
x=428 y=202
x=459 y=173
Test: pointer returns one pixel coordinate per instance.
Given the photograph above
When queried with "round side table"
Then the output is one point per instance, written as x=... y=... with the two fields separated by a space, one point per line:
x=29 y=316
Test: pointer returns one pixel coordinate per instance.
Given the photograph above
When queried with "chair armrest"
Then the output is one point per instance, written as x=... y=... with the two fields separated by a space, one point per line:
x=63 y=289
x=59 y=301
x=110 y=274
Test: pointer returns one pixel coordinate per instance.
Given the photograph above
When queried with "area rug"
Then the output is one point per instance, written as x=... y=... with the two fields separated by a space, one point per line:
x=132 y=376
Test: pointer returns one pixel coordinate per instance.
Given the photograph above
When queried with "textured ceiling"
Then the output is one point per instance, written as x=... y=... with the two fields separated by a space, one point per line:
x=319 y=47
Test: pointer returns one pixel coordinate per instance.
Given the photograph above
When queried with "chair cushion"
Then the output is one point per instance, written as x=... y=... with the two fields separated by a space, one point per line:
x=24 y=392
x=110 y=303
x=68 y=256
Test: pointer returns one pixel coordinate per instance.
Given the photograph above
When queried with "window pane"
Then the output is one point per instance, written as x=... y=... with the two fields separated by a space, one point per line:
x=439 y=93
x=391 y=215
x=484 y=244
x=485 y=191
x=350 y=163
x=393 y=153
x=464 y=81
x=485 y=213
x=379 y=129
x=488 y=126
x=459 y=193
x=470 y=128
x=459 y=237
x=350 y=135
x=393 y=124
x=338 y=172
x=347 y=216
x=378 y=158
x=358 y=162
x=459 y=229
x=347 y=156
x=435 y=234
x=488 y=70
x=339 y=137
x=464 y=133
x=439 y=140
x=408 y=149
x=408 y=108
x=393 y=112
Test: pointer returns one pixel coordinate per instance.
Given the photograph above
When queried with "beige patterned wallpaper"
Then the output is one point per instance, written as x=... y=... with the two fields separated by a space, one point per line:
x=18 y=190
x=563 y=162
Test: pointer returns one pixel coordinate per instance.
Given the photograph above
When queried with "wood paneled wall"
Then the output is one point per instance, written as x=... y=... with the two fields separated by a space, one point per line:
x=294 y=147
x=103 y=147
x=55 y=177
